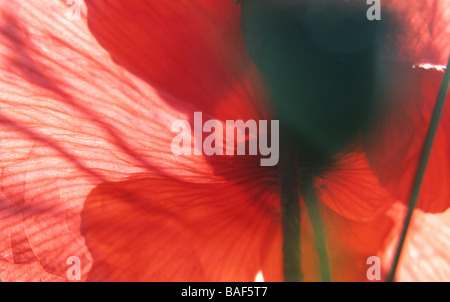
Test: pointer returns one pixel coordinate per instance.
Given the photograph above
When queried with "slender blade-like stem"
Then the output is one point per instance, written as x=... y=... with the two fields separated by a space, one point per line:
x=290 y=212
x=312 y=205
x=426 y=150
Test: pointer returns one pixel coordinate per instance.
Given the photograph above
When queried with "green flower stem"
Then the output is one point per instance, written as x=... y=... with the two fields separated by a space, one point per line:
x=312 y=206
x=290 y=211
x=437 y=113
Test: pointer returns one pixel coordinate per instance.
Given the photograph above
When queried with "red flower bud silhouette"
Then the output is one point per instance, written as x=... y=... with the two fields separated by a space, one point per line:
x=86 y=108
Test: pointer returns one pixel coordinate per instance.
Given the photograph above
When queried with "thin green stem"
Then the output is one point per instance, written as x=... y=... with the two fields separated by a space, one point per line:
x=429 y=139
x=312 y=206
x=290 y=212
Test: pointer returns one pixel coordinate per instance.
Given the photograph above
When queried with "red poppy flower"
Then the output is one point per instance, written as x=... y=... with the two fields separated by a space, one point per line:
x=86 y=108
